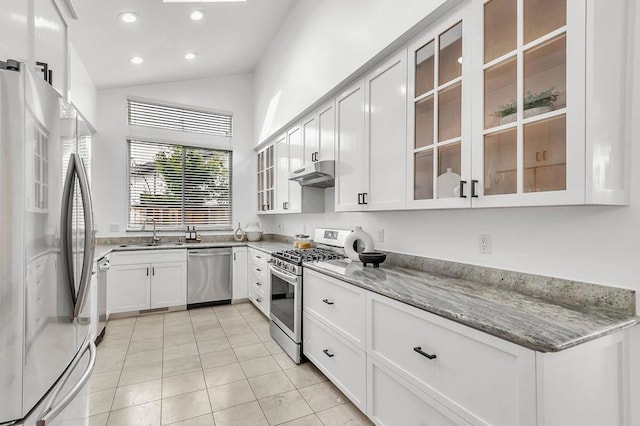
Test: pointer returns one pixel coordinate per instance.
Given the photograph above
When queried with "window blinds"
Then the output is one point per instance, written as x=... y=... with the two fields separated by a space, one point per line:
x=149 y=114
x=179 y=186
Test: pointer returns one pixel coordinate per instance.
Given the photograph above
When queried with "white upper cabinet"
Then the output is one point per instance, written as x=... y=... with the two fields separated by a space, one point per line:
x=51 y=43
x=309 y=128
x=371 y=137
x=282 y=174
x=385 y=132
x=350 y=163
x=296 y=161
x=439 y=124
x=326 y=131
x=318 y=134
x=549 y=119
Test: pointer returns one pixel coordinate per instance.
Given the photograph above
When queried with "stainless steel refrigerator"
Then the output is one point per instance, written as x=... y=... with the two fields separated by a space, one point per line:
x=46 y=253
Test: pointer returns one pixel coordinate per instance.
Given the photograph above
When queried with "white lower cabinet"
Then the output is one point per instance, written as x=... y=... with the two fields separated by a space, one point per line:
x=128 y=288
x=342 y=362
x=166 y=284
x=141 y=280
x=417 y=368
x=453 y=364
x=239 y=273
x=259 y=280
x=393 y=401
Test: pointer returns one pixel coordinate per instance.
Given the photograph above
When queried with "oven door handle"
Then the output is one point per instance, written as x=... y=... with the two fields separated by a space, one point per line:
x=290 y=278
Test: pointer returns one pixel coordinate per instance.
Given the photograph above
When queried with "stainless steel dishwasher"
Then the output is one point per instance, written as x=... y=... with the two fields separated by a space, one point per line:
x=208 y=277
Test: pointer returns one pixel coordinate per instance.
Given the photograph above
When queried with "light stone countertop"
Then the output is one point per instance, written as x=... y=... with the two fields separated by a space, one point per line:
x=265 y=246
x=525 y=320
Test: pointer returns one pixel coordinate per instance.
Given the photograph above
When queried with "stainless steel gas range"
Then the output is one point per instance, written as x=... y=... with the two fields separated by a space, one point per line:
x=286 y=287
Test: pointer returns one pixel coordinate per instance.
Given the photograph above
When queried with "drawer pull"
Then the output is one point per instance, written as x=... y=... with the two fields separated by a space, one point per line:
x=258 y=300
x=258 y=257
x=421 y=352
x=327 y=301
x=327 y=353
x=258 y=284
x=258 y=269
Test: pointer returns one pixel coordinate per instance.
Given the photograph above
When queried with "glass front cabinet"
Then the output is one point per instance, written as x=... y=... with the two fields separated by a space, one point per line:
x=439 y=119
x=266 y=179
x=520 y=103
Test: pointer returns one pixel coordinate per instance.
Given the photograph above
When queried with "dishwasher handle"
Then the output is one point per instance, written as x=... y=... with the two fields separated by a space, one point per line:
x=197 y=254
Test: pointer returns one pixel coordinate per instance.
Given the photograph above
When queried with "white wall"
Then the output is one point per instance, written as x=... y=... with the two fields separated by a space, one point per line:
x=230 y=93
x=320 y=44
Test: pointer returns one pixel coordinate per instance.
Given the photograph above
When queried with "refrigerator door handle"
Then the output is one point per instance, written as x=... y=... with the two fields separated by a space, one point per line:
x=66 y=238
x=52 y=412
x=87 y=261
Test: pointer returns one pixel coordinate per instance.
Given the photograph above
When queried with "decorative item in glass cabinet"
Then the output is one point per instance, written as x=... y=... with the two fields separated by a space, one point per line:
x=534 y=104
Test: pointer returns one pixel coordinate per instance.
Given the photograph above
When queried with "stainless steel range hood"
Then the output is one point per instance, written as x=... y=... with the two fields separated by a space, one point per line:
x=319 y=174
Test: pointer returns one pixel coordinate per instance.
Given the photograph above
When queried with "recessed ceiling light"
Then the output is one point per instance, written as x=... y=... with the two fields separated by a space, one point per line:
x=190 y=55
x=128 y=17
x=136 y=60
x=197 y=15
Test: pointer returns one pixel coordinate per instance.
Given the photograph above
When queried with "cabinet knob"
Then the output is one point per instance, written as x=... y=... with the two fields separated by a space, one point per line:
x=424 y=354
x=327 y=353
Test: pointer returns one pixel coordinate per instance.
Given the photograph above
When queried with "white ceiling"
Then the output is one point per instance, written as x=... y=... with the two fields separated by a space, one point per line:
x=230 y=39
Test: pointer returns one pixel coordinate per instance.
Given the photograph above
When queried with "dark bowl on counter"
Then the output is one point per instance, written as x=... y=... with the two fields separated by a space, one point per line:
x=373 y=257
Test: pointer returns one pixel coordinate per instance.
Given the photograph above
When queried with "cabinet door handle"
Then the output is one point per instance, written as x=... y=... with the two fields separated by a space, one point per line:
x=359 y=198
x=234 y=256
x=424 y=354
x=327 y=353
x=147 y=271
x=364 y=197
x=537 y=155
x=473 y=189
x=462 y=183
x=327 y=301
x=153 y=271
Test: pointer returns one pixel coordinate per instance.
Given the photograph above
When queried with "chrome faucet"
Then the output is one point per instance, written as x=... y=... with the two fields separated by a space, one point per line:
x=155 y=240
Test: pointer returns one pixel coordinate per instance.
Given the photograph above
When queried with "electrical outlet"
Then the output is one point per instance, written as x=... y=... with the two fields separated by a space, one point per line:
x=114 y=227
x=380 y=236
x=484 y=241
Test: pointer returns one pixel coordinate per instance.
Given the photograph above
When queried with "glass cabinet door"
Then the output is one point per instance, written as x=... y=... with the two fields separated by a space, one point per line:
x=524 y=98
x=265 y=179
x=439 y=149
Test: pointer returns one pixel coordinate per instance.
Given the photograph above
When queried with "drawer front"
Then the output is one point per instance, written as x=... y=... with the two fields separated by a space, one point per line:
x=258 y=258
x=340 y=304
x=392 y=401
x=258 y=274
x=137 y=257
x=259 y=299
x=466 y=365
x=340 y=361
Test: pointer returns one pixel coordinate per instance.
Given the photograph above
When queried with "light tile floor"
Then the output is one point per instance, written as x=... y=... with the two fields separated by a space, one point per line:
x=210 y=366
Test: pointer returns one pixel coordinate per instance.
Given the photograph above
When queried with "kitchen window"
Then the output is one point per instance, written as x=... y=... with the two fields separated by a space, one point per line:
x=179 y=186
x=178 y=118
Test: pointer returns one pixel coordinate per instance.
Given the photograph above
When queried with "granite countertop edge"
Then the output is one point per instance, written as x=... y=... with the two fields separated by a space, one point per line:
x=519 y=332
x=265 y=246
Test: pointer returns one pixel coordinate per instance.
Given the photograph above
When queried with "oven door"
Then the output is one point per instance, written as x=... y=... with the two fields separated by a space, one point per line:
x=286 y=302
